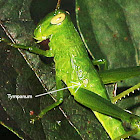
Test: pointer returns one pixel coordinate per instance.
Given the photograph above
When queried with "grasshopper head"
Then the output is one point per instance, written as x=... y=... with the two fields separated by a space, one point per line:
x=51 y=24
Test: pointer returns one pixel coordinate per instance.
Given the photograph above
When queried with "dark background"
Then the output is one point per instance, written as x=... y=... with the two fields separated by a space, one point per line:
x=7 y=134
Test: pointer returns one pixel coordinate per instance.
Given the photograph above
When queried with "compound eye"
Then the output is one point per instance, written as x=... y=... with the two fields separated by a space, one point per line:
x=58 y=18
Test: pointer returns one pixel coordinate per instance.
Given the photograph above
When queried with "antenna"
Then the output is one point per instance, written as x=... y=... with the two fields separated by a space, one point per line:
x=58 y=4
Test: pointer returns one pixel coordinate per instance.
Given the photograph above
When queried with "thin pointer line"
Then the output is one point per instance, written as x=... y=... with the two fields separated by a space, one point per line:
x=57 y=90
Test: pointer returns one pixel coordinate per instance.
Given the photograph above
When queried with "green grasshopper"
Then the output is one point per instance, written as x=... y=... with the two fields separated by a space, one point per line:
x=90 y=90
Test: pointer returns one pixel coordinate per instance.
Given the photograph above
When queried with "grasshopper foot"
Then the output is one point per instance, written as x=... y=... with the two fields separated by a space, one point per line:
x=32 y=121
